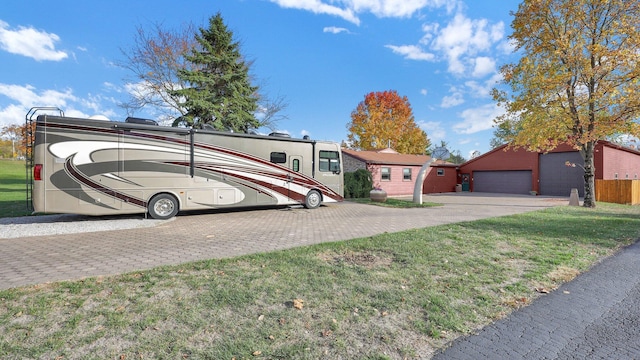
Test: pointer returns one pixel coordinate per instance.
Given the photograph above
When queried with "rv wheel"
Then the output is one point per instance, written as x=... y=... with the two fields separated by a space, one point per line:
x=313 y=199
x=163 y=207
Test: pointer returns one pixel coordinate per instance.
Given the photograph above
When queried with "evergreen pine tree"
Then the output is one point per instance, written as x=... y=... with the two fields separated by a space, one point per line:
x=219 y=91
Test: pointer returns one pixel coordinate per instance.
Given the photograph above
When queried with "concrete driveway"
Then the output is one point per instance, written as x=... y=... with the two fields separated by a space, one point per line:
x=48 y=258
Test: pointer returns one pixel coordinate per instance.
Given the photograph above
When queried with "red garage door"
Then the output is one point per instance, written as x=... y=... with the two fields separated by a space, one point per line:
x=506 y=182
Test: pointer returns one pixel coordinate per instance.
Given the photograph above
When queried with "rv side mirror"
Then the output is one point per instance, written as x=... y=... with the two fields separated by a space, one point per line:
x=337 y=172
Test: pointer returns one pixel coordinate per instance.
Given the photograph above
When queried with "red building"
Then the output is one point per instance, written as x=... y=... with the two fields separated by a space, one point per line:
x=502 y=170
x=518 y=171
x=396 y=173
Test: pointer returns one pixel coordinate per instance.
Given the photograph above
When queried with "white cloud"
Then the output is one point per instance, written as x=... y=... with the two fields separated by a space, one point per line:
x=435 y=131
x=424 y=92
x=348 y=9
x=25 y=97
x=456 y=98
x=334 y=30
x=463 y=38
x=507 y=47
x=478 y=119
x=12 y=115
x=483 y=66
x=318 y=7
x=473 y=154
x=411 y=52
x=483 y=90
x=30 y=42
x=394 y=8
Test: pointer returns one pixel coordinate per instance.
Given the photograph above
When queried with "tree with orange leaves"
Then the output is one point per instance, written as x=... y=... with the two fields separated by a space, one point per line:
x=385 y=119
x=578 y=80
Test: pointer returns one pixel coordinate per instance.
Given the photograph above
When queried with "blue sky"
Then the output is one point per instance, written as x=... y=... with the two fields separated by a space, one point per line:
x=321 y=56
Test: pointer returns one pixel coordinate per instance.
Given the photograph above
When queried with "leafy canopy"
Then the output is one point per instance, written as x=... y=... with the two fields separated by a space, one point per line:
x=384 y=119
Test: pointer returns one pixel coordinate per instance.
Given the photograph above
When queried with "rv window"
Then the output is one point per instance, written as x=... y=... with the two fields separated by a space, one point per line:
x=296 y=165
x=278 y=157
x=329 y=161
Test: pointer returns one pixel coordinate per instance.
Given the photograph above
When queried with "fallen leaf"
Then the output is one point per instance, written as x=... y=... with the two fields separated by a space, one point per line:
x=298 y=304
x=271 y=337
x=257 y=353
x=261 y=317
x=326 y=333
x=542 y=290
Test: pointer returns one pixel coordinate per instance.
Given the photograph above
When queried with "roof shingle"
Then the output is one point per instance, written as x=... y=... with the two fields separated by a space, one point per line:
x=387 y=158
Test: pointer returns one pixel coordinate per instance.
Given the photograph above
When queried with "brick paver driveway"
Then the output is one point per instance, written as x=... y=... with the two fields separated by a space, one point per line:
x=40 y=259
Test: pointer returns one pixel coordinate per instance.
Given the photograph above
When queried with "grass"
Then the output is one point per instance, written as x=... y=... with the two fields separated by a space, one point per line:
x=13 y=188
x=393 y=203
x=391 y=296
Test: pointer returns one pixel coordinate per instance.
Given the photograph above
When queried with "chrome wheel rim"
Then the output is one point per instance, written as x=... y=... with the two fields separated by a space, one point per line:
x=163 y=207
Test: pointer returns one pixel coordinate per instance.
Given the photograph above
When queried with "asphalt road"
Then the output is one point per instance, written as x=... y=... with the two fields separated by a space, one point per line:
x=595 y=316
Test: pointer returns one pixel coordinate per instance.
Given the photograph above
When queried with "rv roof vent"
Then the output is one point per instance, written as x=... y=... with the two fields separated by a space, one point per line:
x=280 y=134
x=135 y=120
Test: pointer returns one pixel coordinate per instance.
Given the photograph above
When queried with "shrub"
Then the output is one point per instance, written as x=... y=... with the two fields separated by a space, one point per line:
x=357 y=184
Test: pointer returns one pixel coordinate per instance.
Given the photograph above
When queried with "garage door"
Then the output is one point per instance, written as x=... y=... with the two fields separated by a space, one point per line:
x=507 y=182
x=556 y=179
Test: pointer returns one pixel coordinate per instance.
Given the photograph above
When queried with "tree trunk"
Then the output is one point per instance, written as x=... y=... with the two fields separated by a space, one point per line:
x=589 y=175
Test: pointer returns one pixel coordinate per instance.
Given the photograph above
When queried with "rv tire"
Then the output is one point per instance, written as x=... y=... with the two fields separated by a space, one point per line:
x=313 y=199
x=163 y=206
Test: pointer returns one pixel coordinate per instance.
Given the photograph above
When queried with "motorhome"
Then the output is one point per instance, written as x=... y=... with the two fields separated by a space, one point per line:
x=101 y=167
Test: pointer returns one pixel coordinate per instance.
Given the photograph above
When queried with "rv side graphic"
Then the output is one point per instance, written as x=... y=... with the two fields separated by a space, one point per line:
x=98 y=167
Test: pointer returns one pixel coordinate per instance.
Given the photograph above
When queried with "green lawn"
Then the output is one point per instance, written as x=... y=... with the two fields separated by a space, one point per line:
x=13 y=188
x=391 y=296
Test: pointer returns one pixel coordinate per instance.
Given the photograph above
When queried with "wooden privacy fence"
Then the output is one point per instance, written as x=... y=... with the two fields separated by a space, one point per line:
x=618 y=191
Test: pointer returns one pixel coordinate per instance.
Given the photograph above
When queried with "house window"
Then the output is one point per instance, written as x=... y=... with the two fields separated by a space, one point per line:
x=329 y=161
x=278 y=157
x=440 y=172
x=615 y=176
x=385 y=174
x=406 y=174
x=626 y=176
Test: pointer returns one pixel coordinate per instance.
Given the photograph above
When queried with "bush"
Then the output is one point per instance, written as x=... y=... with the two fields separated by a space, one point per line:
x=357 y=184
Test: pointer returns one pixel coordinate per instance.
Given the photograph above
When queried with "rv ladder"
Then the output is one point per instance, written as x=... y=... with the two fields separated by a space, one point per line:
x=29 y=140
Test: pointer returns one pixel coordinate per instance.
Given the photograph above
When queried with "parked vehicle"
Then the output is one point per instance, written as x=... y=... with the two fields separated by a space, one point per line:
x=97 y=167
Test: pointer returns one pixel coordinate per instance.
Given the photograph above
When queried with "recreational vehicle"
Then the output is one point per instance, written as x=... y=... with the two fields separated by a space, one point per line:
x=100 y=167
